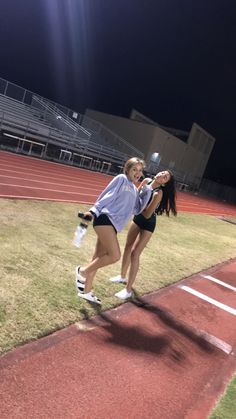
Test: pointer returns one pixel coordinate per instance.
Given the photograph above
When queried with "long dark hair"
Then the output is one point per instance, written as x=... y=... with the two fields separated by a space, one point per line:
x=168 y=202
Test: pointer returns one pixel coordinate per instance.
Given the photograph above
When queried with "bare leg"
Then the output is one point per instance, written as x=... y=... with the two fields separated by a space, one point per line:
x=132 y=235
x=99 y=252
x=107 y=252
x=137 y=249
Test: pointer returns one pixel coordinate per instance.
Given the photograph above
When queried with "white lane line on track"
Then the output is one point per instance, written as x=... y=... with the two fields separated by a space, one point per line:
x=41 y=165
x=46 y=175
x=213 y=340
x=36 y=198
x=208 y=299
x=47 y=182
x=211 y=209
x=44 y=189
x=18 y=158
x=52 y=174
x=224 y=284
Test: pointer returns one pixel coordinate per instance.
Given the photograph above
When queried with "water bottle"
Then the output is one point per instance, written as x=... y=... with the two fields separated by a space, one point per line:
x=80 y=232
x=81 y=229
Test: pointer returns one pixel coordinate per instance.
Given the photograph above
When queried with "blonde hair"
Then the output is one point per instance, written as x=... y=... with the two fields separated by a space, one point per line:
x=132 y=162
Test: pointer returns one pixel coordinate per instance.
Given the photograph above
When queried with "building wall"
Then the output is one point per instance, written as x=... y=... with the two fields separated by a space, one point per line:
x=201 y=140
x=138 y=134
x=170 y=148
x=146 y=137
x=188 y=160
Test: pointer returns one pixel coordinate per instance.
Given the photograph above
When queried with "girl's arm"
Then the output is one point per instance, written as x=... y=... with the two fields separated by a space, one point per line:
x=143 y=197
x=144 y=182
x=155 y=201
x=144 y=194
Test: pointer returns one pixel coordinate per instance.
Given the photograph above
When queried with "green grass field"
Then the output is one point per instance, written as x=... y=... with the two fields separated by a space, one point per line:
x=37 y=262
x=37 y=293
x=226 y=407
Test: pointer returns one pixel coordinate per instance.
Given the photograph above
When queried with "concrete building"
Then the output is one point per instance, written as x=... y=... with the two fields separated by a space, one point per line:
x=185 y=153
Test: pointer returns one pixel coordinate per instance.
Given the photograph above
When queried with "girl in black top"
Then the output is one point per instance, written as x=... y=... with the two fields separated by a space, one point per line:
x=142 y=228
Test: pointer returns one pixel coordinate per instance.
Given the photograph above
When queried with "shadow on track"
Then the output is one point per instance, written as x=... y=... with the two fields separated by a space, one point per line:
x=175 y=339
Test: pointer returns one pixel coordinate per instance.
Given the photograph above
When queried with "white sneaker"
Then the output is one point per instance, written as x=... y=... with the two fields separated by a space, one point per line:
x=124 y=294
x=89 y=296
x=79 y=279
x=118 y=279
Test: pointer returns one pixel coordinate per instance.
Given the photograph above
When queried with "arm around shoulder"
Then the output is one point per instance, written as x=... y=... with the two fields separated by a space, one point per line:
x=153 y=204
x=144 y=182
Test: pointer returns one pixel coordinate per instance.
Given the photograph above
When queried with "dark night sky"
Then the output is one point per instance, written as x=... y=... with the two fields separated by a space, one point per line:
x=173 y=60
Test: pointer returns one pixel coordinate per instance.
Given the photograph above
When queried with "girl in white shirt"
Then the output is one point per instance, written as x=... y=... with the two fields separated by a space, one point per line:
x=112 y=210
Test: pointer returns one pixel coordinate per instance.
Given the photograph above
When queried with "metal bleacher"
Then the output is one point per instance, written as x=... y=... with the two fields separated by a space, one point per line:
x=32 y=125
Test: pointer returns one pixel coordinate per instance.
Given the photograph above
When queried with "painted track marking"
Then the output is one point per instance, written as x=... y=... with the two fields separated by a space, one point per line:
x=208 y=299
x=43 y=189
x=37 y=198
x=213 y=340
x=224 y=284
x=195 y=203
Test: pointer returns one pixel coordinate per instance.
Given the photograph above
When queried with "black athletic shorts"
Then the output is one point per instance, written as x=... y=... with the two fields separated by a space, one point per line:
x=143 y=223
x=102 y=220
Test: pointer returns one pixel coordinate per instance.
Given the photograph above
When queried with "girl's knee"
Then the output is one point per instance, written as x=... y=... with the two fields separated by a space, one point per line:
x=134 y=255
x=115 y=256
x=128 y=247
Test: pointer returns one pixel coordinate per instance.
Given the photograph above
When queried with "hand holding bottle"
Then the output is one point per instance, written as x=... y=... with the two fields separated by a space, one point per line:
x=86 y=216
x=81 y=229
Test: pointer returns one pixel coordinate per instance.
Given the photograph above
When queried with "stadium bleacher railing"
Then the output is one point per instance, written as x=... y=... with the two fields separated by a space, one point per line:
x=54 y=126
x=94 y=130
x=49 y=130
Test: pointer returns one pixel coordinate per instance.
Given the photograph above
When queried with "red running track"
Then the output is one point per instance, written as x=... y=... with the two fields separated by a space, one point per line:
x=24 y=177
x=166 y=355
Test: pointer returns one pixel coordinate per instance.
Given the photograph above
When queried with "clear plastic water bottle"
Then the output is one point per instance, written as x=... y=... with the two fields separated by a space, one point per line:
x=80 y=232
x=81 y=229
